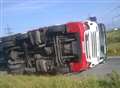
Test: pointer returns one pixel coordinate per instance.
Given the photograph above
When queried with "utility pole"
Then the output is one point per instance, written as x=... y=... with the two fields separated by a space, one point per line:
x=8 y=30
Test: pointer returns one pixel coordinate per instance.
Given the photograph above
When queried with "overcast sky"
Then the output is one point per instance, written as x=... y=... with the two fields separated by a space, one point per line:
x=24 y=15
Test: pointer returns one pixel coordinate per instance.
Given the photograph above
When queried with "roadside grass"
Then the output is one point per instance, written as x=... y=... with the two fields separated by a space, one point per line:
x=113 y=36
x=24 y=81
x=113 y=49
x=113 y=43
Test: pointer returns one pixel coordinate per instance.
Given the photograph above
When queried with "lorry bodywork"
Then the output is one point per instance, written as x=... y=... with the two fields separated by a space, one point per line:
x=71 y=47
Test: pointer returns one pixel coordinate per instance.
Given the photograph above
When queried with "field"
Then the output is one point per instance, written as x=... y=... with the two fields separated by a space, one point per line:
x=18 y=81
x=113 y=43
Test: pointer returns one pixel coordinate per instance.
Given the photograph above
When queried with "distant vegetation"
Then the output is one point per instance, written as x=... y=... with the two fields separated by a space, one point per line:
x=113 y=43
x=22 y=81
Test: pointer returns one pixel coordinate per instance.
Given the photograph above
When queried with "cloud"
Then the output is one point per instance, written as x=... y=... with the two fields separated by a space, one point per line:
x=26 y=5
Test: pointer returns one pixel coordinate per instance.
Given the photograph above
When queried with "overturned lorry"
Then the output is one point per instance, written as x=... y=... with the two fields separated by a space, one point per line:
x=71 y=47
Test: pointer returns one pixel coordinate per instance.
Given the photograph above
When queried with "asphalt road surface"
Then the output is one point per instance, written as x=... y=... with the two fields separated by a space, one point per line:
x=112 y=64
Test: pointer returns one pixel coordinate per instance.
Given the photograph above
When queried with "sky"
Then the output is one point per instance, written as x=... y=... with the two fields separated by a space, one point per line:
x=24 y=15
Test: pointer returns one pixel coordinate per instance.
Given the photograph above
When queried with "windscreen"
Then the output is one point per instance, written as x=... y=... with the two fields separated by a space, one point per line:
x=102 y=39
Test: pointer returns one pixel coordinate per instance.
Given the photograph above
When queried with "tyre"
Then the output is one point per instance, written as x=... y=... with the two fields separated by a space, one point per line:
x=15 y=68
x=9 y=44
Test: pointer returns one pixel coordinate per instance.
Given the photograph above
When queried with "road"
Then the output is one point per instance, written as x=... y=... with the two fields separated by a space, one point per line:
x=112 y=64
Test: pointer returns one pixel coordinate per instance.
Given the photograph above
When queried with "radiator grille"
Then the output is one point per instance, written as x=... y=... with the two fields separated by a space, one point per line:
x=94 y=44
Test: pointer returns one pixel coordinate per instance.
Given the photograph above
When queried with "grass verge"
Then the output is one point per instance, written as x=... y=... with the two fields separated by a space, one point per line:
x=113 y=43
x=113 y=49
x=22 y=81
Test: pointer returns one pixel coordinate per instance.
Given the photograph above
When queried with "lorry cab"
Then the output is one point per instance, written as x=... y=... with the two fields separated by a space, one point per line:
x=95 y=43
x=81 y=64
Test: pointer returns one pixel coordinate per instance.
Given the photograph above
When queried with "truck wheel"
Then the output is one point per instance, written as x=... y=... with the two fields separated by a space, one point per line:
x=9 y=44
x=15 y=68
x=63 y=70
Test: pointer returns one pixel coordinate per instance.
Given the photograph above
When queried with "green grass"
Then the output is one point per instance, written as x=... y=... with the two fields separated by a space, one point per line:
x=22 y=81
x=113 y=36
x=113 y=43
x=114 y=49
